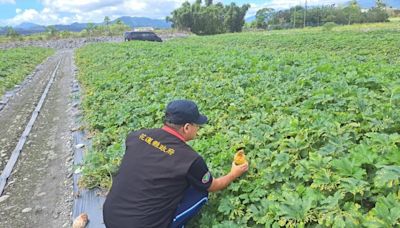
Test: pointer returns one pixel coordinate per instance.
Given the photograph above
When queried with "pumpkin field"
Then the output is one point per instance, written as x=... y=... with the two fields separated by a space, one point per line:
x=317 y=112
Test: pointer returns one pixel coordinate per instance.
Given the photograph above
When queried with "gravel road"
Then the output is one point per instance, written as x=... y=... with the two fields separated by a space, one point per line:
x=39 y=192
x=70 y=43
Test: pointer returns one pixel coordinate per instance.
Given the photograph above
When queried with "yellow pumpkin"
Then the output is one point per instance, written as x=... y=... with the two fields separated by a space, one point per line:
x=240 y=157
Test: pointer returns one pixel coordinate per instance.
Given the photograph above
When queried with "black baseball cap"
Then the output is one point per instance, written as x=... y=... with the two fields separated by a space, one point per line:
x=184 y=111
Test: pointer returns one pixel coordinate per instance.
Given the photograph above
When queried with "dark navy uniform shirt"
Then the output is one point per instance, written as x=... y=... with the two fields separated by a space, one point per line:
x=155 y=171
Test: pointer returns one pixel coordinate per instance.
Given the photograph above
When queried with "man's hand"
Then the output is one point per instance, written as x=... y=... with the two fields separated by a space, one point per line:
x=223 y=182
x=238 y=170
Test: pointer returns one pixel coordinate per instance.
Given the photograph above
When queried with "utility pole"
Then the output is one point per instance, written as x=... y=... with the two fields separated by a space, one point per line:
x=305 y=14
x=294 y=17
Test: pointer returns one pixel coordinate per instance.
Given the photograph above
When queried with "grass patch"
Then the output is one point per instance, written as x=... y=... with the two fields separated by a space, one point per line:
x=17 y=63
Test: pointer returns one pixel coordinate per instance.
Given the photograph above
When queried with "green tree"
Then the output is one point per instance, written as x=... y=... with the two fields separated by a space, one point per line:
x=182 y=18
x=198 y=20
x=90 y=29
x=234 y=17
x=316 y=16
x=209 y=18
x=380 y=4
x=289 y=18
x=117 y=29
x=107 y=24
x=352 y=12
x=90 y=26
x=376 y=14
x=11 y=32
x=262 y=16
x=107 y=20
x=51 y=30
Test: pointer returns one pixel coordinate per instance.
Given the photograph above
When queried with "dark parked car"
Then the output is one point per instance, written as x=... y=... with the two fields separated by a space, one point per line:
x=149 y=36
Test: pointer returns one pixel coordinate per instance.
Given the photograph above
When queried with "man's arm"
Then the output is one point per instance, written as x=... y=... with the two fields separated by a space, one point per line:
x=223 y=182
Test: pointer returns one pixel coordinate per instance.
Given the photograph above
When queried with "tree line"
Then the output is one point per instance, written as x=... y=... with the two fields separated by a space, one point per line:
x=105 y=29
x=209 y=18
x=301 y=16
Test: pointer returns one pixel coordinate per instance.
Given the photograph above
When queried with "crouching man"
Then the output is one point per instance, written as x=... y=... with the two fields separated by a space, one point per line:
x=162 y=181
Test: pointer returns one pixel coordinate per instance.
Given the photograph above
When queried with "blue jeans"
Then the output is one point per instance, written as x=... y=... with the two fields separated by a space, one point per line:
x=189 y=206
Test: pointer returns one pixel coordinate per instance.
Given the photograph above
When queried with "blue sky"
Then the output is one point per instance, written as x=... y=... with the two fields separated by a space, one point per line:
x=45 y=12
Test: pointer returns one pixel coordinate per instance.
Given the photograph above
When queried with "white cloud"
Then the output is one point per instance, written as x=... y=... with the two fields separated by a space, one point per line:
x=95 y=8
x=32 y=15
x=7 y=1
x=66 y=12
x=79 y=6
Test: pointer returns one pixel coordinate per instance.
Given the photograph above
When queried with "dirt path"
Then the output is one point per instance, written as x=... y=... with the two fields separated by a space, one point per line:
x=39 y=192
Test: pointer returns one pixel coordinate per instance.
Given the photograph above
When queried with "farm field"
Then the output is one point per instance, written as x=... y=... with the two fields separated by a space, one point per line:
x=318 y=113
x=17 y=63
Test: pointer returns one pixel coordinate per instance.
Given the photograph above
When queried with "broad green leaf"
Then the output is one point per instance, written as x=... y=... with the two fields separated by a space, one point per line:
x=386 y=176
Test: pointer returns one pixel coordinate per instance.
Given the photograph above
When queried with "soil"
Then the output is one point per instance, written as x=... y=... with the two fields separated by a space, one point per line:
x=60 y=43
x=70 y=43
x=39 y=191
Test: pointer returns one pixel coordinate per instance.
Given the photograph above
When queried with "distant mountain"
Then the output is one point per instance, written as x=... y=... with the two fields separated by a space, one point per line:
x=30 y=28
x=27 y=25
x=74 y=27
